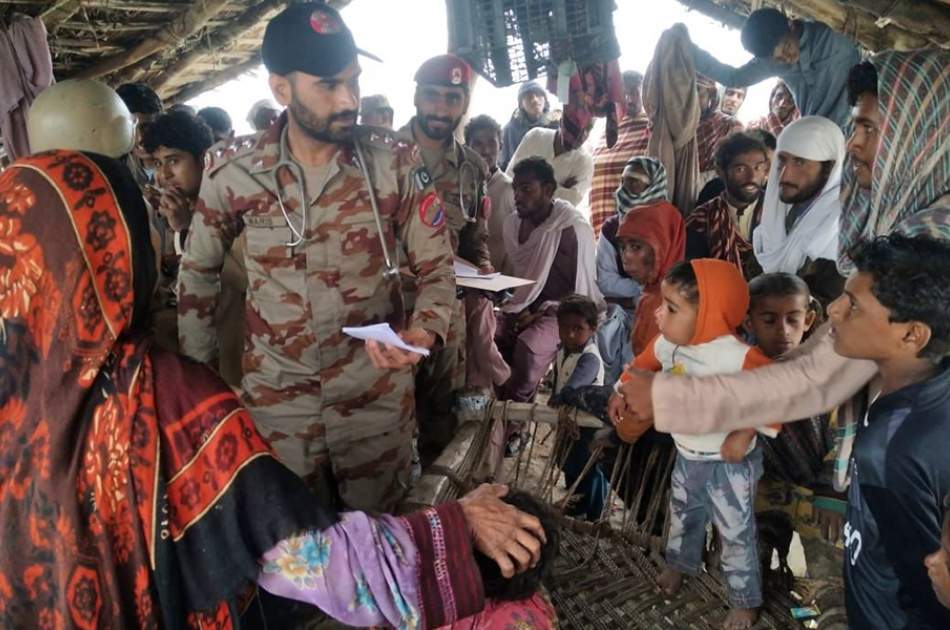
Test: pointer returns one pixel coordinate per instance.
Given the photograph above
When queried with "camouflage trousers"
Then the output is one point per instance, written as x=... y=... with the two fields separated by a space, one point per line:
x=724 y=493
x=327 y=445
x=438 y=379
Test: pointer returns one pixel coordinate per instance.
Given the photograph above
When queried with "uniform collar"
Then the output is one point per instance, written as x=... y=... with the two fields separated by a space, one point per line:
x=453 y=154
x=272 y=150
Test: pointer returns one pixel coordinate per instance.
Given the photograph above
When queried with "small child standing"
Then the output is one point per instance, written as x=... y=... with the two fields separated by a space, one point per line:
x=715 y=474
x=578 y=364
x=781 y=312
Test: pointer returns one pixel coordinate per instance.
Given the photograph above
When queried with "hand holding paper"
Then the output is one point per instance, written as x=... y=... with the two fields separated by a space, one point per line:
x=388 y=350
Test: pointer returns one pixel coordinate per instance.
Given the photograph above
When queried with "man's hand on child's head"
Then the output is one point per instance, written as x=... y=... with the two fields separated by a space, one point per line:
x=500 y=531
x=736 y=445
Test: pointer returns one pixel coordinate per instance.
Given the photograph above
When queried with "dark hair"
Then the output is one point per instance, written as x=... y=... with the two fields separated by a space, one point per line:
x=526 y=583
x=140 y=98
x=734 y=146
x=484 y=121
x=683 y=277
x=217 y=119
x=862 y=79
x=764 y=136
x=763 y=30
x=178 y=130
x=777 y=285
x=579 y=305
x=910 y=280
x=632 y=79
x=181 y=107
x=536 y=167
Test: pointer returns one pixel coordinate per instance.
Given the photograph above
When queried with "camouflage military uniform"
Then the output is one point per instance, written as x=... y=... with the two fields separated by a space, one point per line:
x=332 y=417
x=443 y=374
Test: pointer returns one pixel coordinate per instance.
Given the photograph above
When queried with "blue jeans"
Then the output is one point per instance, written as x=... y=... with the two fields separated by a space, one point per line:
x=592 y=490
x=725 y=493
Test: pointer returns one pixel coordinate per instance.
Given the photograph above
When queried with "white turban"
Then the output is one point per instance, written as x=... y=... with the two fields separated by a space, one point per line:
x=816 y=233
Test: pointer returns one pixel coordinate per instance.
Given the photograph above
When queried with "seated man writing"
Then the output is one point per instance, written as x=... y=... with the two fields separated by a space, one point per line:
x=550 y=242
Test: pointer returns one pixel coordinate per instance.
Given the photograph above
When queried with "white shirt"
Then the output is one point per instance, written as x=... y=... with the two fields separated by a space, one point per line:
x=502 y=204
x=578 y=163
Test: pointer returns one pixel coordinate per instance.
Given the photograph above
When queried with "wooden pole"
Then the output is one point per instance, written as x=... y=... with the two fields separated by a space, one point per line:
x=61 y=11
x=220 y=38
x=169 y=37
x=859 y=25
x=920 y=17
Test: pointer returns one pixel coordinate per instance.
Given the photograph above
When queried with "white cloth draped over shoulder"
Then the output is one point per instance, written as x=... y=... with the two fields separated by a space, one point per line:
x=533 y=258
x=816 y=233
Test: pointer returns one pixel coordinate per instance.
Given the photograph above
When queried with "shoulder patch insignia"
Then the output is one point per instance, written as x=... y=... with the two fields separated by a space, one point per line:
x=431 y=212
x=421 y=178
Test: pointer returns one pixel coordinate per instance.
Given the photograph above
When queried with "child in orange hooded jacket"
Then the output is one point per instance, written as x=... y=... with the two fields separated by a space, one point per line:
x=716 y=474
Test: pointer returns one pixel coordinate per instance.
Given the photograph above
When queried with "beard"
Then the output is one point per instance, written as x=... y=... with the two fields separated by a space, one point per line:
x=804 y=193
x=322 y=129
x=438 y=134
x=740 y=194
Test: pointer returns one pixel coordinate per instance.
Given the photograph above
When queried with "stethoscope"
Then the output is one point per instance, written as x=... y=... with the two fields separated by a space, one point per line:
x=391 y=269
x=470 y=213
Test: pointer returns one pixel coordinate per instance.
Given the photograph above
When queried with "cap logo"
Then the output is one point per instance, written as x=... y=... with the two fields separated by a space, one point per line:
x=324 y=23
x=456 y=76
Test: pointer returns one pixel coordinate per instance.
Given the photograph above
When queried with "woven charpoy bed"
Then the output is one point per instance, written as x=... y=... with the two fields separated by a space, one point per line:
x=605 y=573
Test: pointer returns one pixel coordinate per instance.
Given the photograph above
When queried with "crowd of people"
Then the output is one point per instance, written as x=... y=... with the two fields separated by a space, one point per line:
x=189 y=439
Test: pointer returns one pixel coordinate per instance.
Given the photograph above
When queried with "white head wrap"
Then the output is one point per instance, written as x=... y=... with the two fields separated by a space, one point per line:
x=816 y=234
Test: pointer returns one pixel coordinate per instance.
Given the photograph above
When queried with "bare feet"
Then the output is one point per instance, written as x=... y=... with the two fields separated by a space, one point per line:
x=670 y=580
x=741 y=618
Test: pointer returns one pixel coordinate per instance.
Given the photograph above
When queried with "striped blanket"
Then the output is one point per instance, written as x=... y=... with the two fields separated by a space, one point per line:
x=633 y=136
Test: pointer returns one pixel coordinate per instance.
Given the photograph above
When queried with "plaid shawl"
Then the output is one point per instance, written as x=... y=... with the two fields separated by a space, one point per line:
x=713 y=221
x=912 y=168
x=773 y=123
x=712 y=130
x=633 y=137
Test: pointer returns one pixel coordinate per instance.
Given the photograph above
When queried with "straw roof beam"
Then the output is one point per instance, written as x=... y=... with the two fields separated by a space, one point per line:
x=723 y=14
x=859 y=25
x=61 y=11
x=923 y=18
x=220 y=38
x=180 y=27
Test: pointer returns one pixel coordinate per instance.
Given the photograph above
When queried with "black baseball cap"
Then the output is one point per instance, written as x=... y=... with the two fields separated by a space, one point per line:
x=309 y=37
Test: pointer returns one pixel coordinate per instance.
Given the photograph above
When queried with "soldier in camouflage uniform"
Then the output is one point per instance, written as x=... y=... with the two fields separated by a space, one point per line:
x=459 y=175
x=339 y=415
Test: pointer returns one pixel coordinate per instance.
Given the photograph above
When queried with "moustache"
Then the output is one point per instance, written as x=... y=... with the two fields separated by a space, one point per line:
x=441 y=119
x=346 y=116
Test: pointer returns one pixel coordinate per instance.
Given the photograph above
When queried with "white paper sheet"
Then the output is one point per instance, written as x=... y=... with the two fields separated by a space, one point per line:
x=464 y=270
x=383 y=334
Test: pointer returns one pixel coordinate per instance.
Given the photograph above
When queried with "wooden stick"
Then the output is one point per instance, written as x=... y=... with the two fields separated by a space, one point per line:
x=170 y=36
x=219 y=38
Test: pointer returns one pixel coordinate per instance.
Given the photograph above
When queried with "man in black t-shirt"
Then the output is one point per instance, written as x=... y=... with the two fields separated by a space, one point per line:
x=895 y=310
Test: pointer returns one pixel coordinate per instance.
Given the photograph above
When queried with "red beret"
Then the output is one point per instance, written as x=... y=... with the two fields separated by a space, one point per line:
x=447 y=70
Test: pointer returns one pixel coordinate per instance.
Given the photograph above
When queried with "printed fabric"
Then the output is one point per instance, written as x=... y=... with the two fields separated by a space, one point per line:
x=122 y=499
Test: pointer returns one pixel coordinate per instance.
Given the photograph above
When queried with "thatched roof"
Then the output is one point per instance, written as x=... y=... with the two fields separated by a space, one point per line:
x=179 y=47
x=184 y=47
x=875 y=24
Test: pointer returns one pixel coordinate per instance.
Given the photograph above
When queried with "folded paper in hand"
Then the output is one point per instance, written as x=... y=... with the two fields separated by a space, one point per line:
x=383 y=334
